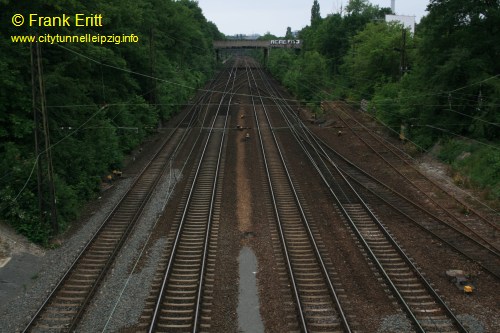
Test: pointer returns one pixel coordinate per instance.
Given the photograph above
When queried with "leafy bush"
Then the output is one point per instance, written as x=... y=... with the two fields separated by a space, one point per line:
x=476 y=165
x=102 y=100
x=452 y=149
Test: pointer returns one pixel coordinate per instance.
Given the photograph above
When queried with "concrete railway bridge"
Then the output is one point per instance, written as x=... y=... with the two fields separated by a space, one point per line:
x=265 y=45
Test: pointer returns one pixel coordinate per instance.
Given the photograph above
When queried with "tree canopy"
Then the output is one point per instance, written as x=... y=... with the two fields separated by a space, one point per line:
x=442 y=82
x=315 y=14
x=102 y=99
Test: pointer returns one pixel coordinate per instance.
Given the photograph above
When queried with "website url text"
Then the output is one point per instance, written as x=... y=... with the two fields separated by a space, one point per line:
x=86 y=38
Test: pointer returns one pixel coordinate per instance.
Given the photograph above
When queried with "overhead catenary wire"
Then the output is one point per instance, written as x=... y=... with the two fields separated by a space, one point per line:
x=427 y=151
x=475 y=118
x=422 y=149
x=77 y=128
x=245 y=95
x=37 y=158
x=184 y=86
x=462 y=137
x=149 y=76
x=419 y=97
x=81 y=127
x=52 y=146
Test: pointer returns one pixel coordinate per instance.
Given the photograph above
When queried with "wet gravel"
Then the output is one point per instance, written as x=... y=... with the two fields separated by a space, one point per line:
x=122 y=291
x=16 y=313
x=122 y=296
x=479 y=312
x=395 y=324
x=400 y=324
x=120 y=301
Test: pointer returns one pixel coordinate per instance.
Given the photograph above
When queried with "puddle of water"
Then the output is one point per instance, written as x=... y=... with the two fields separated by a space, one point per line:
x=4 y=261
x=249 y=319
x=18 y=275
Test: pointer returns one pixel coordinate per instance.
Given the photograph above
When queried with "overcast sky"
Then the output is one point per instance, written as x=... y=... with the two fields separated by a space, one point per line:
x=274 y=16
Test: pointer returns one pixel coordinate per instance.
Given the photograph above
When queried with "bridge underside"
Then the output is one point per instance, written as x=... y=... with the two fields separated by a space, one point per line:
x=253 y=44
x=265 y=45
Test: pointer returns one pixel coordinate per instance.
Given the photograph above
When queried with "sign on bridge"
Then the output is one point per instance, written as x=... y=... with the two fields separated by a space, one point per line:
x=285 y=42
x=252 y=44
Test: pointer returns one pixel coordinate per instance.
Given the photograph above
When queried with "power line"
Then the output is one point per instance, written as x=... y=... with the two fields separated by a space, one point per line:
x=39 y=108
x=393 y=102
x=52 y=146
x=124 y=69
x=475 y=83
x=461 y=136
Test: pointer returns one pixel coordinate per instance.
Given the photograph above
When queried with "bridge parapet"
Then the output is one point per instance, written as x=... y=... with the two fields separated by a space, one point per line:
x=249 y=44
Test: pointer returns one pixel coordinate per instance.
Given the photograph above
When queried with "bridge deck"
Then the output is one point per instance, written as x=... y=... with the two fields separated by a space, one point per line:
x=249 y=44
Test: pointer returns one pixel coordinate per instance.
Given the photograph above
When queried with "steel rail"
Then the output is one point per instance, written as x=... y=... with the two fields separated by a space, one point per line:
x=412 y=203
x=418 y=207
x=324 y=270
x=431 y=199
x=302 y=319
x=403 y=197
x=492 y=269
x=96 y=234
x=178 y=233
x=210 y=217
x=339 y=307
x=381 y=227
x=404 y=256
x=458 y=200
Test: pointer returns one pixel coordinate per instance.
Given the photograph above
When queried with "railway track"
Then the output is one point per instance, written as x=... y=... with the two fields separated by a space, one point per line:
x=417 y=298
x=451 y=210
x=410 y=209
x=182 y=294
x=447 y=228
x=314 y=291
x=66 y=304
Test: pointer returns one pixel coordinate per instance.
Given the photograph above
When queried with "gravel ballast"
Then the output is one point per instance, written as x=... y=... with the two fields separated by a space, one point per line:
x=121 y=298
x=16 y=313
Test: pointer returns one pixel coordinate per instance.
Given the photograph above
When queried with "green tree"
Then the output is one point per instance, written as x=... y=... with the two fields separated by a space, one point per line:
x=268 y=36
x=456 y=71
x=332 y=40
x=280 y=63
x=315 y=14
x=360 y=13
x=103 y=99
x=357 y=7
x=308 y=72
x=450 y=89
x=372 y=60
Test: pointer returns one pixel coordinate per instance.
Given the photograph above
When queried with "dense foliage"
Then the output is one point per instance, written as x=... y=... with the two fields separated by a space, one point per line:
x=102 y=99
x=442 y=83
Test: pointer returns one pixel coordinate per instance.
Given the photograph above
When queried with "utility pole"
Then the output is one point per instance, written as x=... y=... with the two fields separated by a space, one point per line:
x=36 y=120
x=403 y=54
x=152 y=58
x=41 y=116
